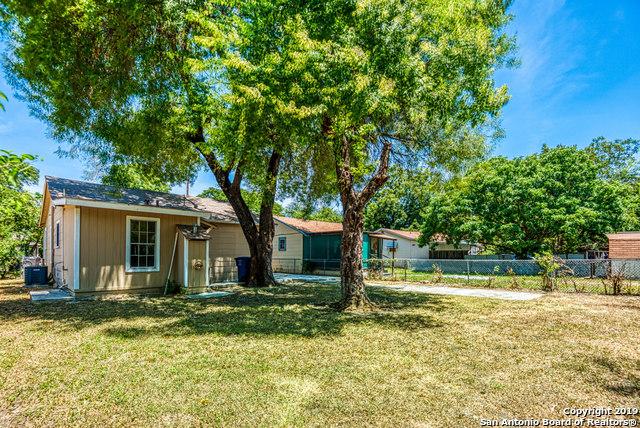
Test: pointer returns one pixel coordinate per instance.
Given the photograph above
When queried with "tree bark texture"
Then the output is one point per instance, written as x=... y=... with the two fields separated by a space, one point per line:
x=259 y=239
x=354 y=296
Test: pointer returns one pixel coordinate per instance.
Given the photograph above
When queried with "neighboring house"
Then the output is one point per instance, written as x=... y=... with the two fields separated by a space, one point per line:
x=102 y=239
x=405 y=246
x=440 y=249
x=316 y=245
x=624 y=245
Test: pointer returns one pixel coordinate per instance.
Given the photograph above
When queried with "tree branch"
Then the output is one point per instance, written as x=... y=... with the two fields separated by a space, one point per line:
x=380 y=177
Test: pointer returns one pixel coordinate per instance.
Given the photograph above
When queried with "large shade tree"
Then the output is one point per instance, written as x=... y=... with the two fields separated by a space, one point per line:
x=564 y=199
x=170 y=86
x=19 y=209
x=252 y=88
x=251 y=197
x=400 y=203
x=407 y=82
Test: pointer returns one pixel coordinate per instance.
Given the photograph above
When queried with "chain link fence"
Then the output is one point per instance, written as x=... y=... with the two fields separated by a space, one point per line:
x=553 y=274
x=307 y=266
x=568 y=275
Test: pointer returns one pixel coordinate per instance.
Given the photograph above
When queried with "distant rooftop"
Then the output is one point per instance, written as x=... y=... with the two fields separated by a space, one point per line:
x=411 y=235
x=311 y=226
x=61 y=188
x=624 y=235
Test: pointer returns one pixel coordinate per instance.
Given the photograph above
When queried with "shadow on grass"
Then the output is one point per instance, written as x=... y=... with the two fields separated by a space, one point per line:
x=627 y=384
x=299 y=310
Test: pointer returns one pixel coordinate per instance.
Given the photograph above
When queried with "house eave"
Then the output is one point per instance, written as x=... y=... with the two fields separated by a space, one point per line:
x=126 y=207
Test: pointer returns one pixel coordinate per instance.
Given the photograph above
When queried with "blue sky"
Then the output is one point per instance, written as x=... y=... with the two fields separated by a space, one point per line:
x=579 y=78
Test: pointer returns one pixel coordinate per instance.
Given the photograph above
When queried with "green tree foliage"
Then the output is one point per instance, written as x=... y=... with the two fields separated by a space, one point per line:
x=560 y=200
x=170 y=85
x=19 y=209
x=3 y=97
x=130 y=176
x=259 y=88
x=251 y=197
x=311 y=212
x=407 y=82
x=400 y=203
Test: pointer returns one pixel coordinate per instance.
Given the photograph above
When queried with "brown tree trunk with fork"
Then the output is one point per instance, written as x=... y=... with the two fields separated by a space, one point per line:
x=354 y=296
x=259 y=237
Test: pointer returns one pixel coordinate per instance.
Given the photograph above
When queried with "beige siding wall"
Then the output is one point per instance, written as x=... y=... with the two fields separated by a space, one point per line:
x=103 y=252
x=289 y=260
x=197 y=277
x=227 y=242
x=179 y=261
x=67 y=232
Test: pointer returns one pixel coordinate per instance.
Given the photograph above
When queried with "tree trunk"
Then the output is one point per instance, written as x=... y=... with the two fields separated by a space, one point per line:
x=261 y=274
x=259 y=239
x=354 y=296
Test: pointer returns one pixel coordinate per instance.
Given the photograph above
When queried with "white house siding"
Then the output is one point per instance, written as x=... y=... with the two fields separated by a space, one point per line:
x=407 y=249
x=57 y=267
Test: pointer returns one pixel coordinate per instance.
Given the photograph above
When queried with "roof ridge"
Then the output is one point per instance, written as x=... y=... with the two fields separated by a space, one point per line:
x=110 y=186
x=304 y=219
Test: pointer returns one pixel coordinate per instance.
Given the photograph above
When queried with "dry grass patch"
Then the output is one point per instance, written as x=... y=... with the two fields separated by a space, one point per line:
x=277 y=358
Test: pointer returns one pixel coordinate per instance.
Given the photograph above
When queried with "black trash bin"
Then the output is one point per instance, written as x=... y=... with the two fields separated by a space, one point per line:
x=244 y=266
x=35 y=275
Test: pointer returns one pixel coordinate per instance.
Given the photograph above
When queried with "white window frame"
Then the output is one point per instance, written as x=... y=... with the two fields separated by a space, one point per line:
x=155 y=268
x=282 y=239
x=56 y=234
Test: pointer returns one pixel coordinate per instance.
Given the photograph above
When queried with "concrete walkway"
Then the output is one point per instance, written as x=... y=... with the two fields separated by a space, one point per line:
x=413 y=288
x=294 y=277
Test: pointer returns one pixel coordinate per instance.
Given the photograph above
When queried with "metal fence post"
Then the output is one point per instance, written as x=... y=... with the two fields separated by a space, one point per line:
x=468 y=272
x=406 y=267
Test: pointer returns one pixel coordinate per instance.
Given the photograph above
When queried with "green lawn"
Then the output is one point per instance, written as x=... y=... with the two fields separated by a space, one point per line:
x=277 y=358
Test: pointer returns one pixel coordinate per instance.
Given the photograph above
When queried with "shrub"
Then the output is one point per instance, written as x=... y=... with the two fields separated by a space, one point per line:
x=549 y=265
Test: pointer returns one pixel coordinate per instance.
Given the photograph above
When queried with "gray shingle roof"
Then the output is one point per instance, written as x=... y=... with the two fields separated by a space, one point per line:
x=60 y=188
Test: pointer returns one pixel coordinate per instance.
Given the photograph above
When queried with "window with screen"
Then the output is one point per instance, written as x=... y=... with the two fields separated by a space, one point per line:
x=142 y=244
x=282 y=243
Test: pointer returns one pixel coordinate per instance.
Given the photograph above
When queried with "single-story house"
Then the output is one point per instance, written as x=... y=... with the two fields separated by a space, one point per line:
x=103 y=239
x=316 y=245
x=405 y=246
x=624 y=245
x=440 y=249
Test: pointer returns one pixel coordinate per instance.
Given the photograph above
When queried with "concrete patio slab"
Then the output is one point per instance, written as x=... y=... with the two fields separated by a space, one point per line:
x=51 y=295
